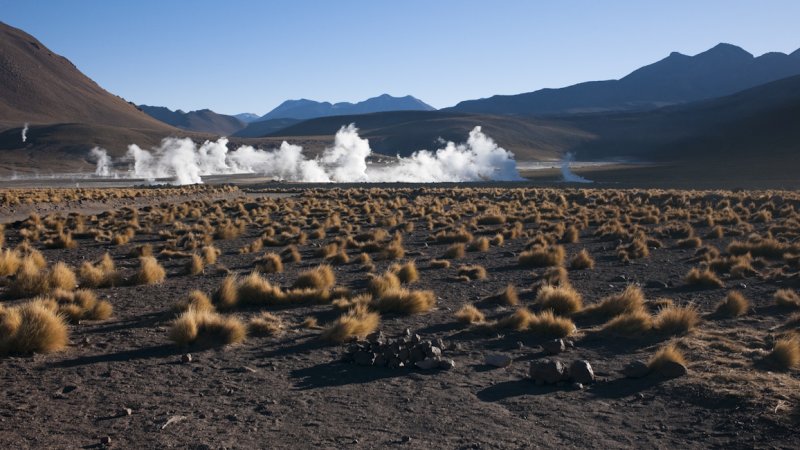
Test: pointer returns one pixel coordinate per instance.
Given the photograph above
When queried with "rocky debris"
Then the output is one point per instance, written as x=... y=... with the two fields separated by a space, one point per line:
x=497 y=360
x=105 y=440
x=187 y=358
x=636 y=369
x=580 y=371
x=554 y=347
x=656 y=284
x=553 y=371
x=408 y=350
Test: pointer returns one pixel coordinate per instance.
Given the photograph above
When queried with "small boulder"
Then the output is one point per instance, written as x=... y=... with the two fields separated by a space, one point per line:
x=636 y=369
x=497 y=360
x=446 y=364
x=554 y=347
x=581 y=372
x=427 y=364
x=548 y=371
x=672 y=369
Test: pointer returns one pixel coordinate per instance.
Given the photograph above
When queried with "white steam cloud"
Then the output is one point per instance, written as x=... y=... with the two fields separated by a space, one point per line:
x=25 y=132
x=567 y=173
x=478 y=159
x=103 y=162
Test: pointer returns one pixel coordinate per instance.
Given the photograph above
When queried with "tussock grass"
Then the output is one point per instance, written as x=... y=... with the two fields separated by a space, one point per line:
x=455 y=251
x=469 y=314
x=703 y=278
x=545 y=323
x=206 y=329
x=378 y=285
x=473 y=272
x=269 y=263
x=407 y=273
x=321 y=277
x=734 y=305
x=256 y=290
x=150 y=271
x=10 y=261
x=227 y=294
x=196 y=265
x=633 y=323
x=440 y=264
x=210 y=254
x=480 y=244
x=785 y=354
x=265 y=324
x=542 y=257
x=358 y=322
x=582 y=260
x=667 y=354
x=81 y=305
x=787 y=298
x=562 y=300
x=630 y=300
x=508 y=296
x=674 y=320
x=291 y=254
x=32 y=327
x=404 y=301
x=196 y=300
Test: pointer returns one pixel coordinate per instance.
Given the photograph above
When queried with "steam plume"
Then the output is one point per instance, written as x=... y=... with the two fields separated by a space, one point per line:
x=25 y=132
x=478 y=159
x=566 y=172
x=103 y=162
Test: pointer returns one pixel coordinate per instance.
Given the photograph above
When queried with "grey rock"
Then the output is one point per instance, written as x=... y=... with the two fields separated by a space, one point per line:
x=497 y=360
x=548 y=371
x=417 y=354
x=447 y=364
x=672 y=369
x=433 y=352
x=656 y=284
x=577 y=386
x=581 y=372
x=619 y=279
x=427 y=363
x=187 y=358
x=636 y=369
x=105 y=440
x=554 y=347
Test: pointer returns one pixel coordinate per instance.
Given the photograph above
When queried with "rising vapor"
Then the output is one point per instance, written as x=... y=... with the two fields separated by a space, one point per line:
x=567 y=173
x=478 y=159
x=25 y=132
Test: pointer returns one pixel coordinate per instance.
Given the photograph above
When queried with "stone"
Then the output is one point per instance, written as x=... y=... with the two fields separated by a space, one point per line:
x=636 y=369
x=577 y=386
x=497 y=360
x=427 y=364
x=439 y=342
x=581 y=372
x=105 y=440
x=404 y=354
x=126 y=412
x=554 y=347
x=672 y=369
x=433 y=352
x=363 y=358
x=656 y=284
x=187 y=358
x=548 y=371
x=447 y=364
x=619 y=279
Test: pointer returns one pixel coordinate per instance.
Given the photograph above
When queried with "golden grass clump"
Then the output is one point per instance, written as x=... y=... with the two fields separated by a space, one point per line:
x=545 y=323
x=508 y=296
x=196 y=300
x=674 y=320
x=206 y=329
x=582 y=261
x=440 y=264
x=633 y=323
x=10 y=261
x=82 y=305
x=734 y=305
x=195 y=265
x=407 y=273
x=61 y=276
x=628 y=301
x=378 y=285
x=269 y=263
x=32 y=327
x=455 y=251
x=321 y=277
x=404 y=301
x=785 y=353
x=469 y=314
x=703 y=278
x=291 y=254
x=150 y=271
x=265 y=324
x=358 y=322
x=101 y=274
x=227 y=294
x=667 y=354
x=210 y=254
x=787 y=298
x=542 y=256
x=473 y=272
x=562 y=300
x=480 y=244
x=256 y=290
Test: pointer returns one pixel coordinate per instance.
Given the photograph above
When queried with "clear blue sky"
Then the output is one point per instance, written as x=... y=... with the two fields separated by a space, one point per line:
x=248 y=56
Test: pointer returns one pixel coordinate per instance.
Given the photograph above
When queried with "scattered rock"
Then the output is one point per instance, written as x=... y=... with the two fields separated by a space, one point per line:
x=619 y=279
x=105 y=440
x=554 y=347
x=672 y=369
x=497 y=360
x=187 y=358
x=636 y=369
x=427 y=364
x=656 y=284
x=581 y=372
x=548 y=371
x=405 y=351
x=126 y=412
x=447 y=364
x=577 y=386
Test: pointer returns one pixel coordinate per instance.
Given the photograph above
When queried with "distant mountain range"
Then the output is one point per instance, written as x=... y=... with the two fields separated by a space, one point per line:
x=203 y=120
x=722 y=70
x=310 y=109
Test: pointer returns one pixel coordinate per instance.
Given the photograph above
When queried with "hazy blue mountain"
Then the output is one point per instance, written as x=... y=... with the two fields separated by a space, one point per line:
x=203 y=120
x=722 y=70
x=309 y=109
x=247 y=117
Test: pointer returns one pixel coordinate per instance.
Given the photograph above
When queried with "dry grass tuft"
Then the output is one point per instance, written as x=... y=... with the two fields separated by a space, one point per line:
x=440 y=264
x=703 y=278
x=785 y=353
x=667 y=354
x=321 y=277
x=628 y=301
x=455 y=251
x=787 y=298
x=150 y=271
x=227 y=294
x=269 y=263
x=562 y=300
x=265 y=324
x=379 y=285
x=634 y=323
x=479 y=245
x=734 y=305
x=508 y=296
x=256 y=290
x=545 y=323
x=582 y=261
x=469 y=314
x=358 y=322
x=206 y=329
x=33 y=327
x=196 y=265
x=404 y=301
x=9 y=262
x=473 y=272
x=674 y=320
x=196 y=300
x=407 y=273
x=542 y=257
